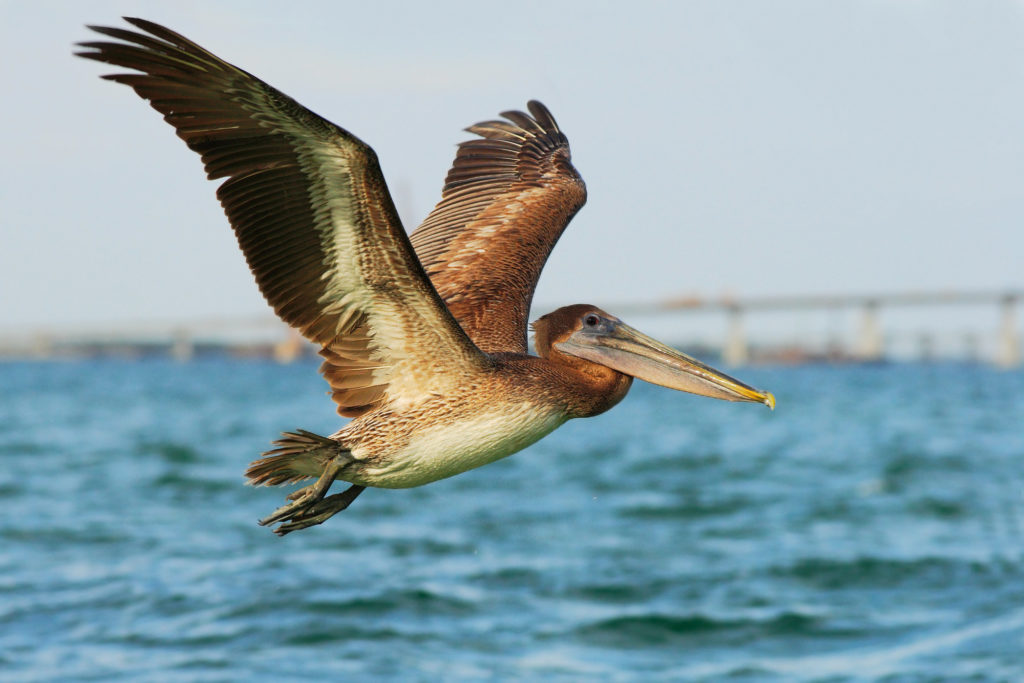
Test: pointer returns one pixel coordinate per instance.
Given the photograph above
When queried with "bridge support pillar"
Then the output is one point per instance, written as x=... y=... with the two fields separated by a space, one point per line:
x=971 y=347
x=290 y=348
x=736 y=351
x=870 y=345
x=926 y=347
x=42 y=346
x=1008 y=352
x=182 y=349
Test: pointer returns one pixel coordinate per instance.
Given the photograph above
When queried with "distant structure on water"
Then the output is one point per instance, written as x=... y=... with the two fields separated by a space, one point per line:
x=870 y=343
x=267 y=337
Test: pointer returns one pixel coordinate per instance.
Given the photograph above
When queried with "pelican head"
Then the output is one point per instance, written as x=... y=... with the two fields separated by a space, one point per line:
x=587 y=332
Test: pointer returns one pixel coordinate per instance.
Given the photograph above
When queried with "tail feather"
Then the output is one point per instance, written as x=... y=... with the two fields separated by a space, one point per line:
x=299 y=455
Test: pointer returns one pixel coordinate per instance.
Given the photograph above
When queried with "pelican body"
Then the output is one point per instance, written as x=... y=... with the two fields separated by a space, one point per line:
x=424 y=336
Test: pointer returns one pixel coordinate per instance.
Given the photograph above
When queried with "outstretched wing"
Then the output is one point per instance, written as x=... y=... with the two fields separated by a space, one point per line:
x=313 y=216
x=506 y=201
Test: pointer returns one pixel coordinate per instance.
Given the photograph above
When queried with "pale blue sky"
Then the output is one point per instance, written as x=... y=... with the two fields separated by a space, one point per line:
x=747 y=147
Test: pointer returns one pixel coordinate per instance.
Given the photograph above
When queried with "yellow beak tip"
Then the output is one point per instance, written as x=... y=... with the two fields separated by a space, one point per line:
x=769 y=400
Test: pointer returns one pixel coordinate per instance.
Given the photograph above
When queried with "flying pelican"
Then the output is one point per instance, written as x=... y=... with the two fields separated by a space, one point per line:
x=424 y=338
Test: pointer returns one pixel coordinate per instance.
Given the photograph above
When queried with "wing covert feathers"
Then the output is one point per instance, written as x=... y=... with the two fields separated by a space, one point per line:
x=312 y=214
x=506 y=200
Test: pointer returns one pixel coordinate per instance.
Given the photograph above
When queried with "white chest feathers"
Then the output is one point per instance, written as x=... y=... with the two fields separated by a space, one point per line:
x=443 y=451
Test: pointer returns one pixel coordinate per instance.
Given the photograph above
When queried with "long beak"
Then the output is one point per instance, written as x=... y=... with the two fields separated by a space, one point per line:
x=633 y=353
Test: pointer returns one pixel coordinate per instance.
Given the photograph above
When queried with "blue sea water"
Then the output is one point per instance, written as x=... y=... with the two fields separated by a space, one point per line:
x=871 y=528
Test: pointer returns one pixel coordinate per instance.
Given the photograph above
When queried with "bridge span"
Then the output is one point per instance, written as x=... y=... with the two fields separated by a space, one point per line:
x=266 y=336
x=870 y=342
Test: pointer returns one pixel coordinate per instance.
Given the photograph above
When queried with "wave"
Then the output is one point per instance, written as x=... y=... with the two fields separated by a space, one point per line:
x=691 y=509
x=862 y=571
x=419 y=600
x=184 y=482
x=169 y=451
x=658 y=629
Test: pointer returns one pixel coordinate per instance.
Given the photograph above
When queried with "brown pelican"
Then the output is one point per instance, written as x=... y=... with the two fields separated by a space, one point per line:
x=424 y=339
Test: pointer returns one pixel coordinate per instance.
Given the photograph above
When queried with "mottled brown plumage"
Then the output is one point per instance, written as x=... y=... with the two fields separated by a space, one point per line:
x=426 y=348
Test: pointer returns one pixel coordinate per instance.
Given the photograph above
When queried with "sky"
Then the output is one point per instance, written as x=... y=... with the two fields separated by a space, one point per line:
x=742 y=148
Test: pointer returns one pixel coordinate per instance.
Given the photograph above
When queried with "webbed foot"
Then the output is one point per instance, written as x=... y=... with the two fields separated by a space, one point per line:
x=320 y=511
x=308 y=502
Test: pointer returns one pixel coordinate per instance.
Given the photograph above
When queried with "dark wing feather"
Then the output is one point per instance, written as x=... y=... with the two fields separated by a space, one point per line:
x=313 y=216
x=506 y=201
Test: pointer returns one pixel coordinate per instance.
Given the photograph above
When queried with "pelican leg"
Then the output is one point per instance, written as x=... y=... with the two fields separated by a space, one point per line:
x=321 y=511
x=306 y=496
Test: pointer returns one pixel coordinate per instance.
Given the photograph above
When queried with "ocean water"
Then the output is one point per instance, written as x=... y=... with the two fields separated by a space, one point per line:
x=871 y=528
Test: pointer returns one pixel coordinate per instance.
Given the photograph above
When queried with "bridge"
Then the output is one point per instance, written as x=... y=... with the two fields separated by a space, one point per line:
x=266 y=336
x=261 y=336
x=870 y=342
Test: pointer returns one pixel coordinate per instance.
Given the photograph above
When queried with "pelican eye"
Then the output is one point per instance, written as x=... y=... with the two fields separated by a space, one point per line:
x=591 y=320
